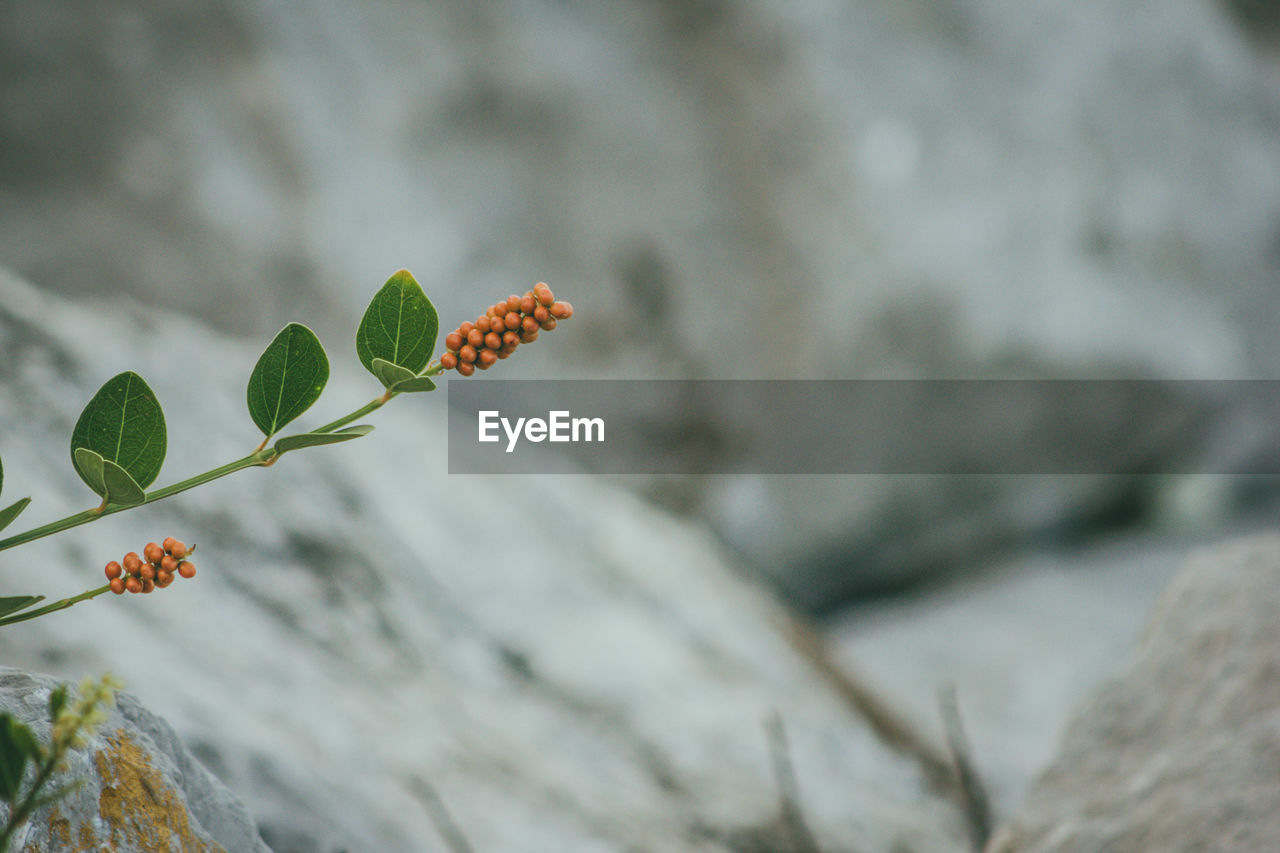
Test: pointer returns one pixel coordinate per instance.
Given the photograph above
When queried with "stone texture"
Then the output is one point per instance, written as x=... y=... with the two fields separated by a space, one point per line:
x=1182 y=751
x=551 y=661
x=138 y=788
x=775 y=188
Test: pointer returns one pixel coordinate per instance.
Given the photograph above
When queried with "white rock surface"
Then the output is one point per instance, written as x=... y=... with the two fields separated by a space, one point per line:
x=565 y=667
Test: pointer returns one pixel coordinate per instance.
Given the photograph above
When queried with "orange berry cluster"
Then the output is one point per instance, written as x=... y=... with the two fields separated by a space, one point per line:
x=507 y=324
x=155 y=568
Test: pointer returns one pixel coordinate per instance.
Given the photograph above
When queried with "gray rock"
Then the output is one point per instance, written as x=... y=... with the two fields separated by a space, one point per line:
x=371 y=644
x=137 y=787
x=779 y=188
x=1182 y=751
x=1022 y=640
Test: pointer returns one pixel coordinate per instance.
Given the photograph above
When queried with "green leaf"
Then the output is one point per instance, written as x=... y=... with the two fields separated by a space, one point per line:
x=17 y=747
x=389 y=373
x=315 y=439
x=121 y=488
x=399 y=327
x=108 y=479
x=57 y=701
x=287 y=379
x=417 y=383
x=124 y=425
x=396 y=378
x=12 y=511
x=14 y=603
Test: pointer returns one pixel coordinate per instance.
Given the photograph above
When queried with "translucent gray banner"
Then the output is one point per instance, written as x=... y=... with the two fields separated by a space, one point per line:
x=864 y=427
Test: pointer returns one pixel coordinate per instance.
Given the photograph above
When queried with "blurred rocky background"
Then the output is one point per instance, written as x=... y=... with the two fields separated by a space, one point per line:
x=763 y=189
x=727 y=190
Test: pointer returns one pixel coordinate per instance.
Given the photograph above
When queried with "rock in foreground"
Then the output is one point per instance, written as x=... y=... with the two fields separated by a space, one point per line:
x=138 y=786
x=1182 y=752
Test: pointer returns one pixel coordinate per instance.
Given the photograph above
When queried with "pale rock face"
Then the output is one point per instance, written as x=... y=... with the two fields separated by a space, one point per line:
x=558 y=664
x=138 y=787
x=1182 y=750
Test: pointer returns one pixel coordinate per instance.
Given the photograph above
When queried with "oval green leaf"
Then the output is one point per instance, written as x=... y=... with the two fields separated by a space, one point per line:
x=9 y=513
x=396 y=378
x=417 y=383
x=315 y=439
x=108 y=479
x=399 y=326
x=17 y=747
x=57 y=701
x=123 y=424
x=287 y=379
x=14 y=603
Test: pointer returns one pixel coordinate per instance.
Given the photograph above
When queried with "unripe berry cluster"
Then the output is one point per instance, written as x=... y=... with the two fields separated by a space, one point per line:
x=157 y=567
x=507 y=324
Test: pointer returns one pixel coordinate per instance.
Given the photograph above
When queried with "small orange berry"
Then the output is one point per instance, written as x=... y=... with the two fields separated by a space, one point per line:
x=528 y=337
x=498 y=324
x=466 y=368
x=187 y=570
x=148 y=571
x=132 y=562
x=482 y=323
x=163 y=579
x=133 y=585
x=178 y=549
x=513 y=303
x=543 y=293
x=493 y=340
x=541 y=314
x=548 y=324
x=466 y=354
x=510 y=339
x=528 y=302
x=529 y=325
x=486 y=358
x=113 y=570
x=169 y=542
x=153 y=552
x=475 y=337
x=453 y=341
x=561 y=310
x=511 y=320
x=465 y=329
x=449 y=360
x=169 y=563
x=148 y=584
x=494 y=311
x=117 y=586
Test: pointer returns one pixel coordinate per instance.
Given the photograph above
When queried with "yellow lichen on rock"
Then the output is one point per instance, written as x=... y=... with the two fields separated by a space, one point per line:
x=140 y=809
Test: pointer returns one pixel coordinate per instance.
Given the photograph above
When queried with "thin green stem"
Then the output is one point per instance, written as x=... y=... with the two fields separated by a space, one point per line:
x=261 y=457
x=88 y=515
x=371 y=406
x=56 y=606
x=21 y=812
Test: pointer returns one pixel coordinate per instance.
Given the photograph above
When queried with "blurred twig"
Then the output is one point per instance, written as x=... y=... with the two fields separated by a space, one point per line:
x=977 y=805
x=890 y=726
x=793 y=822
x=439 y=814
